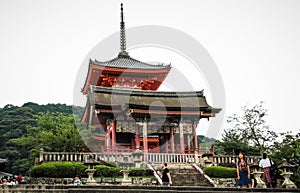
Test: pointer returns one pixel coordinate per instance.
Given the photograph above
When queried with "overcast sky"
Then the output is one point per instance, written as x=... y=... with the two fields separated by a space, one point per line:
x=254 y=43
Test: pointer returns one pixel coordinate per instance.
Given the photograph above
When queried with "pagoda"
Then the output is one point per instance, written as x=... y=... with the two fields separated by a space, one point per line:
x=124 y=104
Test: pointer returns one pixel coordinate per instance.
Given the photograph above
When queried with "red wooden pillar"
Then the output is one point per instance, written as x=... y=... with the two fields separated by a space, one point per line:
x=145 y=137
x=194 y=125
x=188 y=143
x=113 y=135
x=137 y=137
x=108 y=138
x=91 y=116
x=172 y=139
x=133 y=143
x=166 y=143
x=181 y=138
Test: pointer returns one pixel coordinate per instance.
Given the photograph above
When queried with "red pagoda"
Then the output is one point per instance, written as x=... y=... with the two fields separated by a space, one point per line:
x=124 y=104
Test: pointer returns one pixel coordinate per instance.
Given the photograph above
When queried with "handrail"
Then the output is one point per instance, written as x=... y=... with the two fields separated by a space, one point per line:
x=158 y=178
x=204 y=175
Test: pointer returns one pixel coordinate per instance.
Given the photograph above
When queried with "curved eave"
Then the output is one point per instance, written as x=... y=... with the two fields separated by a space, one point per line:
x=131 y=70
x=145 y=93
x=129 y=63
x=136 y=101
x=93 y=67
x=131 y=111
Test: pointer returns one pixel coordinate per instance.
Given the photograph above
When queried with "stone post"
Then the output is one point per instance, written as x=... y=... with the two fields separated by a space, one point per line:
x=287 y=183
x=257 y=173
x=90 y=162
x=41 y=155
x=137 y=157
x=125 y=181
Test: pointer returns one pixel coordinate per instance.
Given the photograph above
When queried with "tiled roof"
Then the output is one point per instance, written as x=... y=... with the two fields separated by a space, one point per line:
x=108 y=97
x=129 y=63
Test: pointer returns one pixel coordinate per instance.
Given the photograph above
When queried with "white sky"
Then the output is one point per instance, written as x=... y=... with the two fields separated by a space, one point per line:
x=255 y=44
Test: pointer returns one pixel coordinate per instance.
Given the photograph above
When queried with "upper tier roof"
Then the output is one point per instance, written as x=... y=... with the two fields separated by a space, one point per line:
x=129 y=63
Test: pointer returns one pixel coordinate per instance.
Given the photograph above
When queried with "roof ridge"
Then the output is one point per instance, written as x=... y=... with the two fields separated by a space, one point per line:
x=127 y=62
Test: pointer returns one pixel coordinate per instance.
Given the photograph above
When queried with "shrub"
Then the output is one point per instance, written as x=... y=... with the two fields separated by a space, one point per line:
x=107 y=171
x=58 y=170
x=110 y=163
x=71 y=169
x=140 y=172
x=220 y=172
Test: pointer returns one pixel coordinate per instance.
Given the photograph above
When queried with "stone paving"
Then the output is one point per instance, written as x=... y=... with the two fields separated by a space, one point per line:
x=132 y=189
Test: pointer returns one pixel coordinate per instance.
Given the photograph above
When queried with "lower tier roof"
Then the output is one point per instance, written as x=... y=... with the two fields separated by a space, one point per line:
x=116 y=100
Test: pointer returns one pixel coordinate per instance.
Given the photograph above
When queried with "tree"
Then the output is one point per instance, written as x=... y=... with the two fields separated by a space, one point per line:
x=248 y=132
x=289 y=149
x=18 y=124
x=53 y=133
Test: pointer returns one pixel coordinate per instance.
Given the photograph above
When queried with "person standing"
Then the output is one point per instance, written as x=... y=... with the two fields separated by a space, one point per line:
x=265 y=163
x=166 y=176
x=243 y=172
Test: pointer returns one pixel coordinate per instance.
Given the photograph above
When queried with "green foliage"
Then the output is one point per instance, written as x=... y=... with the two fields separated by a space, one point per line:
x=203 y=142
x=289 y=149
x=24 y=130
x=220 y=172
x=107 y=171
x=59 y=170
x=71 y=169
x=140 y=172
x=249 y=132
x=49 y=108
x=110 y=163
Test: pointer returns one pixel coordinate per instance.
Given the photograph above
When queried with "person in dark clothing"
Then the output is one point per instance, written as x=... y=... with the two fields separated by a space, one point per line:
x=166 y=176
x=243 y=172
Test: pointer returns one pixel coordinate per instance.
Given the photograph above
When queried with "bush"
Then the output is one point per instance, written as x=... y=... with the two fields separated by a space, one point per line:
x=71 y=169
x=107 y=171
x=220 y=172
x=140 y=172
x=110 y=163
x=58 y=170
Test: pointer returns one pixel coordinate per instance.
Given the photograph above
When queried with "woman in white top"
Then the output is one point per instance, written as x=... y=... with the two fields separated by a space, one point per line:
x=265 y=163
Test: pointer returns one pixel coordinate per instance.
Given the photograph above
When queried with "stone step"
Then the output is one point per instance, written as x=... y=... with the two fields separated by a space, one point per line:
x=186 y=175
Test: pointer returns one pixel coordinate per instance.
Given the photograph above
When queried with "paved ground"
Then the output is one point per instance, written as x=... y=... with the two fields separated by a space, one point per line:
x=132 y=189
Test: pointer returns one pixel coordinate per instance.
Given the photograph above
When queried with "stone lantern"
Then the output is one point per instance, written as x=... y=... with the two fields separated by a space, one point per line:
x=257 y=174
x=287 y=183
x=90 y=162
x=125 y=181
x=137 y=157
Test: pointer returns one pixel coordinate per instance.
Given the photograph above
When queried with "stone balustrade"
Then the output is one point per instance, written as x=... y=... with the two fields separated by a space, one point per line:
x=82 y=156
x=169 y=158
x=233 y=159
x=115 y=157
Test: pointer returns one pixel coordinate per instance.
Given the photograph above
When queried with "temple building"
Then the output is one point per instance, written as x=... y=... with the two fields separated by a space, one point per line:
x=124 y=104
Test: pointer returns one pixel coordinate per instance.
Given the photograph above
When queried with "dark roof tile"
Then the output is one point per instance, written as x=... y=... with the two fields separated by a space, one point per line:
x=129 y=63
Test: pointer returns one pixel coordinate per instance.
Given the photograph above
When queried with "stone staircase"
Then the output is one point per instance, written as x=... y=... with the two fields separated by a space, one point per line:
x=186 y=175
